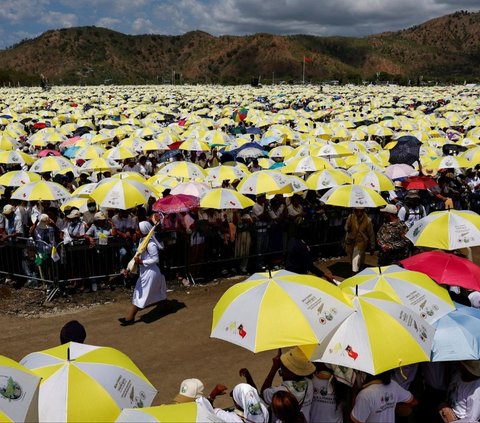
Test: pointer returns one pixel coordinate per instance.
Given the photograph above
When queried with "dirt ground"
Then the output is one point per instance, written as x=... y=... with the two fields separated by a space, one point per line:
x=167 y=347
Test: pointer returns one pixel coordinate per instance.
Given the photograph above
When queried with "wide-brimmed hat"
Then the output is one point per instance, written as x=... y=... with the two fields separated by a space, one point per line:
x=413 y=193
x=190 y=390
x=390 y=208
x=99 y=216
x=73 y=214
x=8 y=209
x=296 y=361
x=472 y=366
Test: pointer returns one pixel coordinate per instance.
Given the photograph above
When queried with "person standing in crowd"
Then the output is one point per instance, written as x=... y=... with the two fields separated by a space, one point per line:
x=327 y=404
x=394 y=245
x=464 y=393
x=10 y=224
x=359 y=237
x=411 y=209
x=151 y=287
x=286 y=408
x=261 y=224
x=378 y=398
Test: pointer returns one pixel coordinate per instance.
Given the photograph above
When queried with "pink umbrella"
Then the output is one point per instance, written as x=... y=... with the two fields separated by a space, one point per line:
x=70 y=141
x=397 y=171
x=197 y=189
x=176 y=203
x=48 y=152
x=445 y=268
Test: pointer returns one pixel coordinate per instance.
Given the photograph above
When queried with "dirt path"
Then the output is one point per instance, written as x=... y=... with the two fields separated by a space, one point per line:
x=166 y=348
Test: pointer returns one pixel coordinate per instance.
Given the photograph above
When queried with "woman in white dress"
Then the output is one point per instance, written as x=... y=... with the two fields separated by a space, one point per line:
x=151 y=287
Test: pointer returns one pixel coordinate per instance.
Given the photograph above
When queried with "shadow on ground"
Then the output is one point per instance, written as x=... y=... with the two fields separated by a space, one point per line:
x=162 y=309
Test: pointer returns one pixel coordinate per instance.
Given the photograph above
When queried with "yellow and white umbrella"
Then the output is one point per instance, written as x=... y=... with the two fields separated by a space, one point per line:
x=16 y=178
x=86 y=383
x=121 y=193
x=198 y=411
x=79 y=203
x=84 y=190
x=279 y=310
x=375 y=180
x=18 y=392
x=154 y=145
x=51 y=164
x=222 y=198
x=183 y=169
x=448 y=162
x=196 y=189
x=413 y=289
x=100 y=165
x=15 y=157
x=327 y=179
x=194 y=145
x=90 y=152
x=333 y=150
x=8 y=143
x=280 y=151
x=306 y=164
x=262 y=182
x=380 y=335
x=41 y=190
x=446 y=230
x=119 y=153
x=353 y=196
x=218 y=174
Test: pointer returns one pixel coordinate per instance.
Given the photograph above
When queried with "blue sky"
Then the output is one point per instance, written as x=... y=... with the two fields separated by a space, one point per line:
x=21 y=19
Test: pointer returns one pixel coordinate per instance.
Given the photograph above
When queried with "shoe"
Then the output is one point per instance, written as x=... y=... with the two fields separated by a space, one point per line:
x=127 y=322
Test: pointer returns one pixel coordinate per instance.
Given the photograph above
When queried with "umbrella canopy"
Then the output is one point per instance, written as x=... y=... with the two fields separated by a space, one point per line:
x=183 y=169
x=262 y=182
x=41 y=190
x=457 y=336
x=189 y=412
x=306 y=164
x=224 y=173
x=405 y=151
x=419 y=182
x=278 y=310
x=375 y=180
x=327 y=179
x=85 y=190
x=381 y=335
x=51 y=164
x=121 y=193
x=100 y=165
x=119 y=153
x=446 y=269
x=353 y=196
x=17 y=178
x=15 y=157
x=413 y=289
x=176 y=203
x=18 y=392
x=222 y=198
x=87 y=383
x=448 y=162
x=197 y=189
x=446 y=230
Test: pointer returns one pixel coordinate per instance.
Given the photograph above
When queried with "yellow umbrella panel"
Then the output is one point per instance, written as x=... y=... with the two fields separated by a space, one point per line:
x=225 y=199
x=278 y=310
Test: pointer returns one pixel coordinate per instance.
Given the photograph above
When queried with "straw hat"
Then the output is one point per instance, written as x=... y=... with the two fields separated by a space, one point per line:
x=296 y=361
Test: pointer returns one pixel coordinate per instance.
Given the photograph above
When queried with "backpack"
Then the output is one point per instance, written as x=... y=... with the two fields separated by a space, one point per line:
x=422 y=211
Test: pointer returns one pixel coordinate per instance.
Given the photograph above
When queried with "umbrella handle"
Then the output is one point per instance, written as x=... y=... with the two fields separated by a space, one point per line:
x=68 y=354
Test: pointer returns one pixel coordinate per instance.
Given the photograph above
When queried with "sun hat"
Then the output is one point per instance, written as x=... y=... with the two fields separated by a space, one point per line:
x=472 y=366
x=190 y=390
x=42 y=221
x=390 y=208
x=73 y=214
x=99 y=216
x=8 y=208
x=296 y=361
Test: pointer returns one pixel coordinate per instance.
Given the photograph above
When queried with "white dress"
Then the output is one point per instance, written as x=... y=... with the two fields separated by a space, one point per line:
x=151 y=286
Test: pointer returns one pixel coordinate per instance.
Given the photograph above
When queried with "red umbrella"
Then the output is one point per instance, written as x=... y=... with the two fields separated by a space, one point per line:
x=419 y=182
x=445 y=268
x=48 y=152
x=176 y=203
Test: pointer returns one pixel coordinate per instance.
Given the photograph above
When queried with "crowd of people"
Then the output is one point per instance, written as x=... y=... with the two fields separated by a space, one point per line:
x=323 y=393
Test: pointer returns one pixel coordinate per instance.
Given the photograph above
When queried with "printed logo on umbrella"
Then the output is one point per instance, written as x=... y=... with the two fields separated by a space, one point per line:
x=10 y=389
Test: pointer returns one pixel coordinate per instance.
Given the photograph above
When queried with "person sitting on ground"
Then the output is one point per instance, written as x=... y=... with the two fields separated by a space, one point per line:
x=378 y=398
x=73 y=331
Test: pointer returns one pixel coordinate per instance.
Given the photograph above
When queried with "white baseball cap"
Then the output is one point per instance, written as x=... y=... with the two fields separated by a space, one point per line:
x=190 y=390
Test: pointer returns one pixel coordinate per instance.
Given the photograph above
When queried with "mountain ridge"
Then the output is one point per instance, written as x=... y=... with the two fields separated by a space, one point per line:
x=446 y=49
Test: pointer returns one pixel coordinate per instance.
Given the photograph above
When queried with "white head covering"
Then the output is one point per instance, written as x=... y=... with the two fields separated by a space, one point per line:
x=254 y=410
x=145 y=227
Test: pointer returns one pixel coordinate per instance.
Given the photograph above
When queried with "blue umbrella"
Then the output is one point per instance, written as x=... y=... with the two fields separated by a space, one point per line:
x=70 y=152
x=457 y=336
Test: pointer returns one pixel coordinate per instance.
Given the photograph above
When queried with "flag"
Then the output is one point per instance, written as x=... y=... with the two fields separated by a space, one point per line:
x=55 y=256
x=307 y=59
x=240 y=115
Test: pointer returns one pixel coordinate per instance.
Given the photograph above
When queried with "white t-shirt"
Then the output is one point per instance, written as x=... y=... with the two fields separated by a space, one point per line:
x=464 y=398
x=303 y=391
x=376 y=403
x=324 y=407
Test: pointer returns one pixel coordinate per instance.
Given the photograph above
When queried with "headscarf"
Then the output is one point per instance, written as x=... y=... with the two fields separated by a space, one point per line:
x=254 y=410
x=145 y=227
